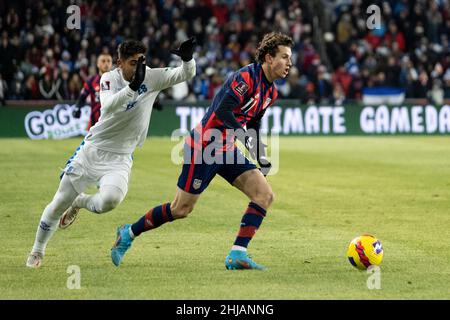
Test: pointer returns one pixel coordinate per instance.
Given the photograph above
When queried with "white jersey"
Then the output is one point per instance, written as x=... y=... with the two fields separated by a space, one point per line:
x=125 y=114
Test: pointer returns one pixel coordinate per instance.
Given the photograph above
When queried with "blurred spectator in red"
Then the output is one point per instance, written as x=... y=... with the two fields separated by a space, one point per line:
x=31 y=89
x=343 y=78
x=394 y=35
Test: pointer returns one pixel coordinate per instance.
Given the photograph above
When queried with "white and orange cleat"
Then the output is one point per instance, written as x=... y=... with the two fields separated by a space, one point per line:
x=35 y=260
x=68 y=217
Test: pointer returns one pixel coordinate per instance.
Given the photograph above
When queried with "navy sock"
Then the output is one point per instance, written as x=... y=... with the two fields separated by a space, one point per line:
x=153 y=219
x=250 y=222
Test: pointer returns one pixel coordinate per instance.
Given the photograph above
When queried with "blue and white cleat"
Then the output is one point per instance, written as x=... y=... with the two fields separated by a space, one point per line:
x=123 y=243
x=237 y=259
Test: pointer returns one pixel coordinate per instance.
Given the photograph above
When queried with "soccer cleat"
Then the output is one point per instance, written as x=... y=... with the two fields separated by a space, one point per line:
x=123 y=242
x=237 y=259
x=35 y=260
x=68 y=217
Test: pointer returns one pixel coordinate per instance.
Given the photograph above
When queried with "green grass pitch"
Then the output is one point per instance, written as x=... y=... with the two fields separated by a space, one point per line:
x=328 y=190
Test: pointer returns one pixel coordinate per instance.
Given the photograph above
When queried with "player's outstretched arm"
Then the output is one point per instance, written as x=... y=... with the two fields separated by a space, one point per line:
x=162 y=78
x=186 y=49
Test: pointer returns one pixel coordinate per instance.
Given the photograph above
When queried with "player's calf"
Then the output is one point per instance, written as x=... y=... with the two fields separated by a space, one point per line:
x=153 y=219
x=181 y=211
x=183 y=204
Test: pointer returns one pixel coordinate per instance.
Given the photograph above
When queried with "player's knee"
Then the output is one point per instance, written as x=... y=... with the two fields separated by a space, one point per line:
x=110 y=201
x=268 y=198
x=264 y=199
x=181 y=211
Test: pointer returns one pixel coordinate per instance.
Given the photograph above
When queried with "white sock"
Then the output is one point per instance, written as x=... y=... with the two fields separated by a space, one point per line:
x=47 y=227
x=239 y=248
x=48 y=224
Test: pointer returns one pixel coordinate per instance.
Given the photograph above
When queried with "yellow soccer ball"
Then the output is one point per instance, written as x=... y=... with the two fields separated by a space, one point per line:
x=364 y=251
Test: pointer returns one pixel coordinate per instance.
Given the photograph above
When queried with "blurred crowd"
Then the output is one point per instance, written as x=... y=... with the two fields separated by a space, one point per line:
x=335 y=56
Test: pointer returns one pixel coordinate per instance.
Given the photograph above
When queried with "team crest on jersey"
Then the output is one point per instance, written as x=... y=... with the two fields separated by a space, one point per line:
x=196 y=184
x=105 y=85
x=266 y=103
x=241 y=88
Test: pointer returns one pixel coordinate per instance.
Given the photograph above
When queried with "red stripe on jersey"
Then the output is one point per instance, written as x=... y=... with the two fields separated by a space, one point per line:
x=191 y=171
x=198 y=133
x=274 y=95
x=201 y=131
x=213 y=122
x=192 y=143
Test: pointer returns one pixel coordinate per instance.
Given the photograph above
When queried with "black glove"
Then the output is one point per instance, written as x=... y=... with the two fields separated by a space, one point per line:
x=139 y=75
x=76 y=113
x=251 y=143
x=186 y=49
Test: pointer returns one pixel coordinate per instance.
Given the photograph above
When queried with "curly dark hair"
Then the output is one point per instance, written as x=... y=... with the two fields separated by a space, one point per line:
x=270 y=43
x=129 y=48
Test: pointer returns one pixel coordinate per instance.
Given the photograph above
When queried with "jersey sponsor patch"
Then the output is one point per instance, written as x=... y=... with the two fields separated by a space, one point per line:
x=105 y=86
x=241 y=88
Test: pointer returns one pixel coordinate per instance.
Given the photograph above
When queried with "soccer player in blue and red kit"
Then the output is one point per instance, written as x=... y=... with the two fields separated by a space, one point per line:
x=91 y=89
x=210 y=149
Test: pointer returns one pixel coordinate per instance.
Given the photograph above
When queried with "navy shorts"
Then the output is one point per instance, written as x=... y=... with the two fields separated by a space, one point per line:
x=198 y=173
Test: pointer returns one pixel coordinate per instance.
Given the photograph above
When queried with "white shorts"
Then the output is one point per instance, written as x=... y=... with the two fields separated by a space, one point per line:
x=90 y=166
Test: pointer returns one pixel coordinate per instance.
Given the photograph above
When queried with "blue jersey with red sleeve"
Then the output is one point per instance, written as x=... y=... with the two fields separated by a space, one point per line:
x=253 y=94
x=91 y=88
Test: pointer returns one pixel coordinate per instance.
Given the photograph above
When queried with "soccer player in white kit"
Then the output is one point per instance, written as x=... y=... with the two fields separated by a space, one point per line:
x=104 y=157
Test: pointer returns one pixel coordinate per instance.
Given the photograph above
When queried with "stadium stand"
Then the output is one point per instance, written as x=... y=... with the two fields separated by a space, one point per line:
x=335 y=55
